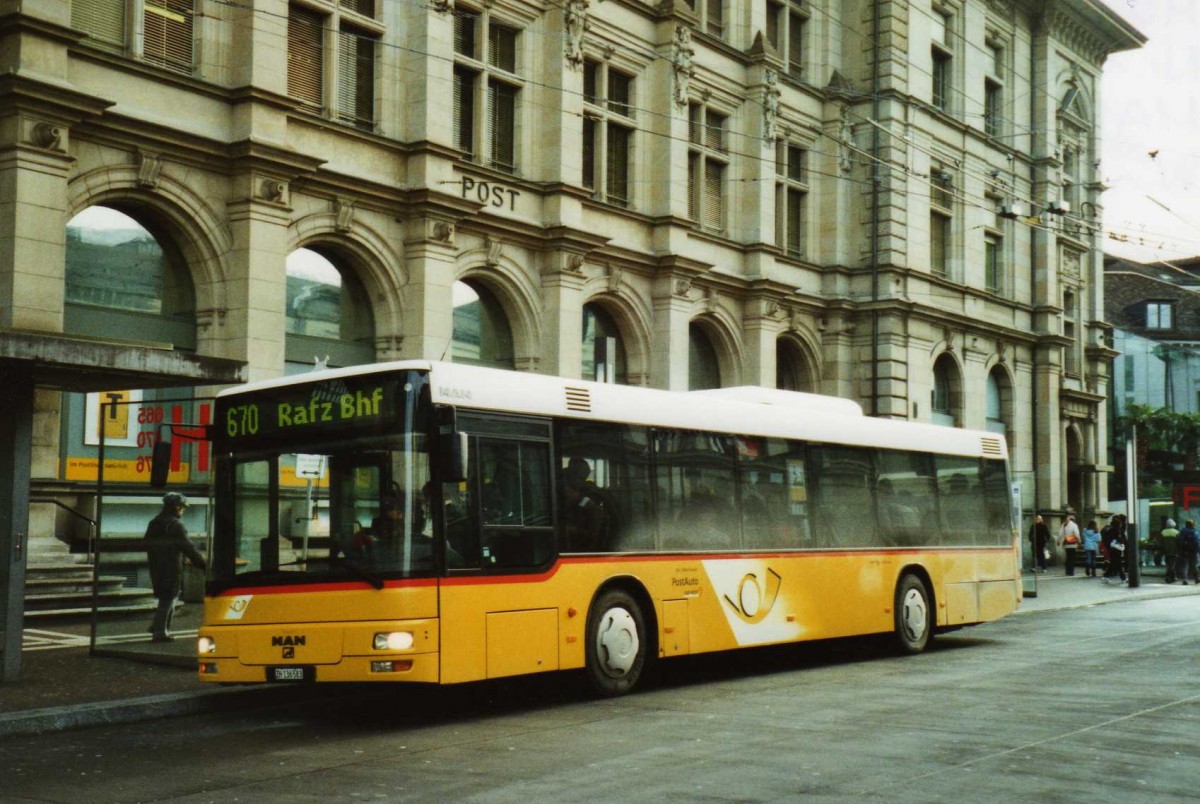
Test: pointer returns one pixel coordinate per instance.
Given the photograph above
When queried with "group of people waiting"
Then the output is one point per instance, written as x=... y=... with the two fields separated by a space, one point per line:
x=1179 y=546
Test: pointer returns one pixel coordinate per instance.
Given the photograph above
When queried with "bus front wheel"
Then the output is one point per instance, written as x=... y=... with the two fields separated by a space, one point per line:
x=616 y=648
x=914 y=615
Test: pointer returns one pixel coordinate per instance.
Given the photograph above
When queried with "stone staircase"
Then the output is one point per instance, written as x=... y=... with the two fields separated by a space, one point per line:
x=61 y=586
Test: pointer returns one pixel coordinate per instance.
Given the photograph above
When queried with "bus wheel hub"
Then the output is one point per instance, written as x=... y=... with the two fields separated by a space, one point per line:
x=618 y=641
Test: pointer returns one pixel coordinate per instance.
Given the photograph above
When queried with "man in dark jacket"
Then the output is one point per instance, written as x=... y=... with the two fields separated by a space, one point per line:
x=166 y=542
x=1189 y=544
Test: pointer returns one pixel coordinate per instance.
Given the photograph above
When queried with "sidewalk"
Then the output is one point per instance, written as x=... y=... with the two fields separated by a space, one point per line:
x=67 y=688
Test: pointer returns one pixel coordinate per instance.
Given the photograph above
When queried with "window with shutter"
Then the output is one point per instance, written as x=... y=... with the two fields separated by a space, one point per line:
x=464 y=32
x=795 y=54
x=305 y=56
x=502 y=100
x=714 y=179
x=714 y=131
x=356 y=78
x=618 y=164
x=464 y=109
x=715 y=22
x=168 y=32
x=589 y=152
x=795 y=221
x=102 y=20
x=693 y=189
x=502 y=47
x=364 y=7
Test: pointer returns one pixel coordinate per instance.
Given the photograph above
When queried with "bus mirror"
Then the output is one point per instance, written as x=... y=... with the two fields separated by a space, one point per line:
x=160 y=464
x=454 y=460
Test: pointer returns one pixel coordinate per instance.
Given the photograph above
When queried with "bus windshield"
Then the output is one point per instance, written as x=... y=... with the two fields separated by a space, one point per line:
x=355 y=506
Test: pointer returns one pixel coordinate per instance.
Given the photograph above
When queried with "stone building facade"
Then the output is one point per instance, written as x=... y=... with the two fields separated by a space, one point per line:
x=893 y=201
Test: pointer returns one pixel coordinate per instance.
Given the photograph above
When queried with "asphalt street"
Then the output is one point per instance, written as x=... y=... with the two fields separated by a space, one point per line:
x=1093 y=703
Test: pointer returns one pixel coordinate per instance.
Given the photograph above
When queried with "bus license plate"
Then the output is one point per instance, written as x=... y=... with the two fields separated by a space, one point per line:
x=289 y=674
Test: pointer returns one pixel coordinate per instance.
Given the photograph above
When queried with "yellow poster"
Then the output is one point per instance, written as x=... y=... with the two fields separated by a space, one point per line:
x=120 y=471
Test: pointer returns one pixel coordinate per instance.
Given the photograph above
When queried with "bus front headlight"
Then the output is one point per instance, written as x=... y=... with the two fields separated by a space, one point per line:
x=206 y=645
x=394 y=640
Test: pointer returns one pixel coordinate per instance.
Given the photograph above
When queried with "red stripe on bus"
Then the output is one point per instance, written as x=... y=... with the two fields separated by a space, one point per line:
x=332 y=586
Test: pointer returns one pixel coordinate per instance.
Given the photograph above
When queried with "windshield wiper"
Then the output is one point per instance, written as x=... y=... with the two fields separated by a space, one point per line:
x=359 y=570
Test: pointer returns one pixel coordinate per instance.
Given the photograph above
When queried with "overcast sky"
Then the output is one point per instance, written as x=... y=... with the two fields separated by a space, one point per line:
x=1151 y=102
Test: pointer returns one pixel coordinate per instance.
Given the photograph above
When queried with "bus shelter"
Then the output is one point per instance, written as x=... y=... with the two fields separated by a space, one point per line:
x=130 y=432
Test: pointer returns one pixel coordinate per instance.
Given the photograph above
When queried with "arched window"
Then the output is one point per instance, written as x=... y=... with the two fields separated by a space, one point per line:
x=996 y=386
x=327 y=314
x=945 y=395
x=481 y=336
x=791 y=367
x=603 y=353
x=703 y=369
x=123 y=281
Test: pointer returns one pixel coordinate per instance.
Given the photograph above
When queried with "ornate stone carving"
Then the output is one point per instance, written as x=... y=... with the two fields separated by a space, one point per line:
x=575 y=24
x=771 y=106
x=443 y=232
x=442 y=6
x=495 y=250
x=344 y=211
x=682 y=54
x=46 y=135
x=681 y=288
x=273 y=190
x=149 y=166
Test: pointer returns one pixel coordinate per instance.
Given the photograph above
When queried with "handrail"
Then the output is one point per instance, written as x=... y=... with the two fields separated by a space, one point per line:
x=73 y=512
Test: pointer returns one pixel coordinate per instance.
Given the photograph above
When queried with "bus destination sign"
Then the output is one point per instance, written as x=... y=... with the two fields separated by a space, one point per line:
x=337 y=408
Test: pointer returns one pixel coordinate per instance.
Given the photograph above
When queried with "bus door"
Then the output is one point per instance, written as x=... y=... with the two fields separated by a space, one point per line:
x=499 y=522
x=508 y=495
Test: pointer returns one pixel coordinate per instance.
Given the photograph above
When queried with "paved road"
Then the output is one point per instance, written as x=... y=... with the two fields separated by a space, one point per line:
x=1093 y=704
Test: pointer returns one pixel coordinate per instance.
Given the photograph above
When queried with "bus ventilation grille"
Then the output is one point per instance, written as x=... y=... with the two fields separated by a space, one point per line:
x=579 y=400
x=991 y=446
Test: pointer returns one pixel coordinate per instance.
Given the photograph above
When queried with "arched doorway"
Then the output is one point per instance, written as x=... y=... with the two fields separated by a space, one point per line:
x=328 y=315
x=999 y=405
x=126 y=280
x=603 y=351
x=481 y=334
x=704 y=371
x=946 y=396
x=793 y=370
x=1077 y=498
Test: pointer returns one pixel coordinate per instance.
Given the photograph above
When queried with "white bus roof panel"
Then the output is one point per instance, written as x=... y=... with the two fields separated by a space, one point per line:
x=748 y=411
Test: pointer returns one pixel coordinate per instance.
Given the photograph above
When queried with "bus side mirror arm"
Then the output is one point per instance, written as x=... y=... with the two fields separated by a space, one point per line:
x=455 y=463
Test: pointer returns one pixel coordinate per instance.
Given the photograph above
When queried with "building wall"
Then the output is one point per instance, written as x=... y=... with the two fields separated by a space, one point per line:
x=236 y=174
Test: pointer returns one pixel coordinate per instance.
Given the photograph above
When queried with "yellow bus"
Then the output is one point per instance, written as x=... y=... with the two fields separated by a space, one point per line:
x=441 y=523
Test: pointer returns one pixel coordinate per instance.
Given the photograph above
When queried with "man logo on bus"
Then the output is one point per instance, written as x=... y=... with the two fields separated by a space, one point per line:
x=753 y=603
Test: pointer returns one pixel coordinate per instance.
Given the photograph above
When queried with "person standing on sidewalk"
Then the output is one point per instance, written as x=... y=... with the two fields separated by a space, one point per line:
x=1068 y=540
x=1091 y=544
x=166 y=544
x=1168 y=543
x=1114 y=542
x=1189 y=544
x=1039 y=538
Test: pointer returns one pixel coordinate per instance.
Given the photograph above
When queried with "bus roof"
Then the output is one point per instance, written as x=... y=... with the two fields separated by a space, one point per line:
x=744 y=410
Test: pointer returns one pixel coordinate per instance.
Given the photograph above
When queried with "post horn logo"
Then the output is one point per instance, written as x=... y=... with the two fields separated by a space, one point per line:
x=754 y=602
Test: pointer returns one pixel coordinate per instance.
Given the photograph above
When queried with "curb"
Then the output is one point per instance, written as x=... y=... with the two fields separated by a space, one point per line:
x=1141 y=593
x=175 y=704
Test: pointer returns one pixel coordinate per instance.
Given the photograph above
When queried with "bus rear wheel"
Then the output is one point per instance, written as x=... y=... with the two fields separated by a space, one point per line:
x=914 y=615
x=616 y=643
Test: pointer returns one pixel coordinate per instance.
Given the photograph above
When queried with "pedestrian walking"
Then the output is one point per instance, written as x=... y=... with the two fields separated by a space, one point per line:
x=1189 y=544
x=167 y=543
x=1091 y=545
x=1039 y=539
x=1168 y=543
x=1069 y=541
x=1114 y=542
